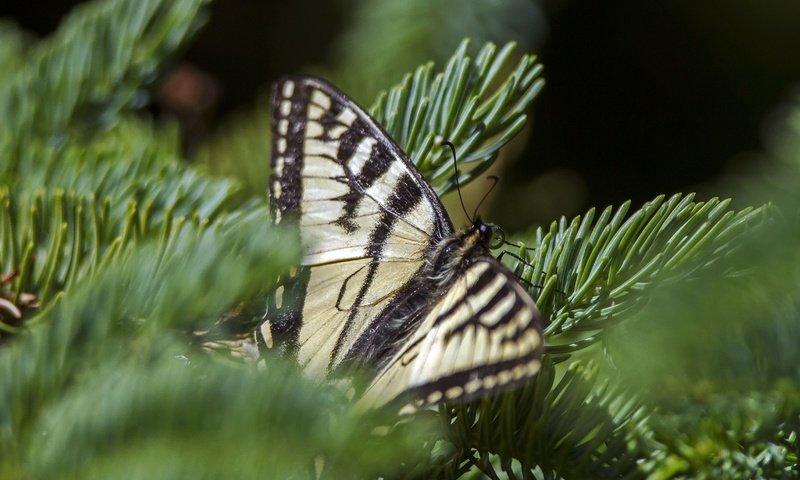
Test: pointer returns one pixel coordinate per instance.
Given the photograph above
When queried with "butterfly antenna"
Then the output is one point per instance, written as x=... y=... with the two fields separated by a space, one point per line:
x=518 y=245
x=494 y=179
x=458 y=183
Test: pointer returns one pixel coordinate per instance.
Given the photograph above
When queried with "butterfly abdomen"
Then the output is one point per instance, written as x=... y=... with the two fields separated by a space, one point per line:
x=447 y=260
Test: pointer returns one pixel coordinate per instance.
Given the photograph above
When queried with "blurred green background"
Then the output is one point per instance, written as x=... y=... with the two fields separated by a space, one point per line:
x=642 y=98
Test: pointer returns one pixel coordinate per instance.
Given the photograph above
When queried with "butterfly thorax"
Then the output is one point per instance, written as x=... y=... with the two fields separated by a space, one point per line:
x=446 y=261
x=454 y=252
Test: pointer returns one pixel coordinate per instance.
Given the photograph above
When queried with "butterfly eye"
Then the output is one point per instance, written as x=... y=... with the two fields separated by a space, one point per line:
x=498 y=238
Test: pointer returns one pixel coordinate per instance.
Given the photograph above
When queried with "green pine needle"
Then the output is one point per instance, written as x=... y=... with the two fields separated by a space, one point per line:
x=477 y=104
x=95 y=66
x=588 y=274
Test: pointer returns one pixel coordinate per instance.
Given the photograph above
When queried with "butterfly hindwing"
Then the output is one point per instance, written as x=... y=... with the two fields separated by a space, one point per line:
x=385 y=283
x=483 y=334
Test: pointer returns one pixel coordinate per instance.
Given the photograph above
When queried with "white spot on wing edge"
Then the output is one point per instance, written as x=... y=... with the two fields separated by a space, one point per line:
x=533 y=367
x=454 y=392
x=288 y=88
x=279 y=296
x=276 y=189
x=283 y=126
x=279 y=166
x=286 y=108
x=266 y=333
x=337 y=131
x=281 y=145
x=473 y=386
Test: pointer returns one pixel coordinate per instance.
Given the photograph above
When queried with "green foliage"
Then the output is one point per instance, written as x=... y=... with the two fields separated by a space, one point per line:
x=95 y=65
x=593 y=273
x=13 y=45
x=466 y=104
x=671 y=334
x=241 y=148
x=416 y=30
x=576 y=426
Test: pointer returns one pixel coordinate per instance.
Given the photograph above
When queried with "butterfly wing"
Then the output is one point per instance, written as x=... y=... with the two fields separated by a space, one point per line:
x=367 y=219
x=483 y=334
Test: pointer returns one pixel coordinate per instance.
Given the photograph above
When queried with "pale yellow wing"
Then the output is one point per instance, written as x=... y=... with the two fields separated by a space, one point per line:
x=484 y=334
x=367 y=219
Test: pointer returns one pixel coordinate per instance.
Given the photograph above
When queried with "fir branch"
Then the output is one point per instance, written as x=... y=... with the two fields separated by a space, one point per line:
x=14 y=43
x=594 y=274
x=133 y=161
x=144 y=250
x=95 y=66
x=241 y=147
x=579 y=426
x=107 y=387
x=125 y=311
x=380 y=26
x=171 y=420
x=473 y=103
x=716 y=359
x=588 y=274
x=53 y=241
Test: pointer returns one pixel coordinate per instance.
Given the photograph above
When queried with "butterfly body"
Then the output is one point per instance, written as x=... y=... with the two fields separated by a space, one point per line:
x=386 y=286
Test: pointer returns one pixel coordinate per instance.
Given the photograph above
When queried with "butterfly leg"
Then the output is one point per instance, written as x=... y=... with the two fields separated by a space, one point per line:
x=343 y=289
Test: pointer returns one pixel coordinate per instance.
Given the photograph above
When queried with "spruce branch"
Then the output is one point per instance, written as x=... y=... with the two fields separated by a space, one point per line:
x=126 y=309
x=571 y=424
x=53 y=241
x=477 y=104
x=587 y=274
x=95 y=66
x=133 y=161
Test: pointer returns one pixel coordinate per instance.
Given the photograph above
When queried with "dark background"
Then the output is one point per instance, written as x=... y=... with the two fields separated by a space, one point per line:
x=642 y=98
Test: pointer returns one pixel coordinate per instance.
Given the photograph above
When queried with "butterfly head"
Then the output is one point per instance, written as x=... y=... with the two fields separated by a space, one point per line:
x=489 y=234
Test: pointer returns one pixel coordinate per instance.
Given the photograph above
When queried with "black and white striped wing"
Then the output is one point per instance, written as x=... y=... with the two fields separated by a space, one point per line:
x=483 y=335
x=367 y=218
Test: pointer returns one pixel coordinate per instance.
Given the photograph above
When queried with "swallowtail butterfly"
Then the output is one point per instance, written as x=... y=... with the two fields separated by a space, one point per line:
x=386 y=285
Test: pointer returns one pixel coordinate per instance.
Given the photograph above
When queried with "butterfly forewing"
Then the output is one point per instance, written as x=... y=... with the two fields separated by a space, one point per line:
x=370 y=290
x=366 y=216
x=344 y=177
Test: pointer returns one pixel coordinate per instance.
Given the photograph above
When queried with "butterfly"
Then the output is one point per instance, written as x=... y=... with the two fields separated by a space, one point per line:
x=386 y=285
